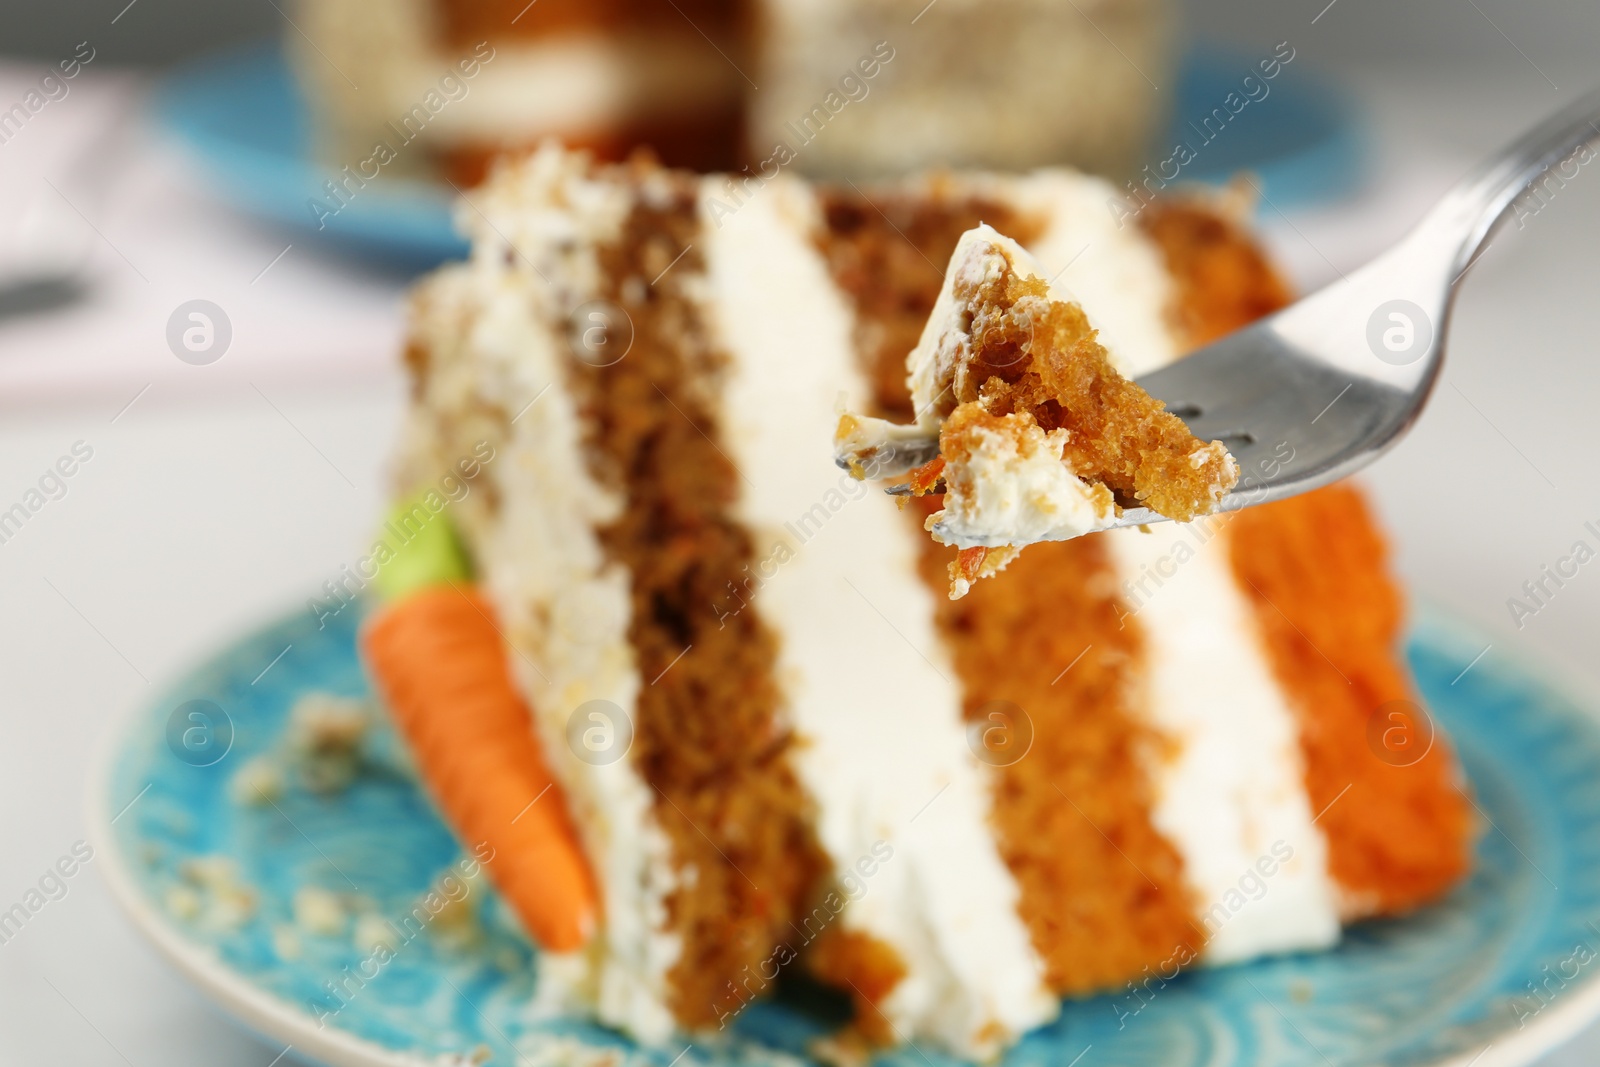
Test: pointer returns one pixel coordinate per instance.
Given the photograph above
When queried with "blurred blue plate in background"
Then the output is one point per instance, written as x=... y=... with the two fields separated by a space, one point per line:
x=1299 y=139
x=246 y=122
x=1454 y=984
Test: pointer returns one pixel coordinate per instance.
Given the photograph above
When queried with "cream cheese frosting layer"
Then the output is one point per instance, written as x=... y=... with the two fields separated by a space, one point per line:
x=869 y=691
x=1012 y=488
x=494 y=330
x=1229 y=785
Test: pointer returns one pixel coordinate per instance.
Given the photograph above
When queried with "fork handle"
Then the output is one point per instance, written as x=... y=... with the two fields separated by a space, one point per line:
x=1461 y=223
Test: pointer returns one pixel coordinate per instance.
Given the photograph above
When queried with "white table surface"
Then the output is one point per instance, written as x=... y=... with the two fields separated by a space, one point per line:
x=226 y=494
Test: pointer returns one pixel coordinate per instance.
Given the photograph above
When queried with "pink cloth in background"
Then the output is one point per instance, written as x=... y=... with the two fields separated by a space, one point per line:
x=92 y=167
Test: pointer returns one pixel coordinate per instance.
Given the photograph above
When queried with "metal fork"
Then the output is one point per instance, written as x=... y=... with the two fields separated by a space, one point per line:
x=1321 y=389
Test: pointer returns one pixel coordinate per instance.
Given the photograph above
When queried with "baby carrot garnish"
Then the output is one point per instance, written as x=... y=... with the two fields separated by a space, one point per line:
x=440 y=666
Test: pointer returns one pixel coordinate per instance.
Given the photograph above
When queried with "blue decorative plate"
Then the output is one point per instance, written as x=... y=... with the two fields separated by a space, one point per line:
x=1437 y=988
x=244 y=116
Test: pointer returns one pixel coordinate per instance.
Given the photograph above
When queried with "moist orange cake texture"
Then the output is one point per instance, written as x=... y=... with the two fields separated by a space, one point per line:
x=1102 y=893
x=707 y=737
x=1315 y=568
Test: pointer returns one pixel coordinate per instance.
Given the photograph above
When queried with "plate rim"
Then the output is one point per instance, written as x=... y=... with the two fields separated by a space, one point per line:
x=269 y=1016
x=264 y=1014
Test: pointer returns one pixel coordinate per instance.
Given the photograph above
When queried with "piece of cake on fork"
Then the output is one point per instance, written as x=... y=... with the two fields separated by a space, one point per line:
x=1040 y=437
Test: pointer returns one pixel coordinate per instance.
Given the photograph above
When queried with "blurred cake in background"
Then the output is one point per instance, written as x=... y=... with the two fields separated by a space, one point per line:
x=1000 y=84
x=445 y=85
x=844 y=89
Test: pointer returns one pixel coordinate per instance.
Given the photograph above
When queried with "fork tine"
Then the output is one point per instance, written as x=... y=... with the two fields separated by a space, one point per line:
x=1286 y=419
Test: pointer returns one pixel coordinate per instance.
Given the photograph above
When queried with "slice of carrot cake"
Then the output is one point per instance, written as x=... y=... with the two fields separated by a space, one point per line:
x=757 y=723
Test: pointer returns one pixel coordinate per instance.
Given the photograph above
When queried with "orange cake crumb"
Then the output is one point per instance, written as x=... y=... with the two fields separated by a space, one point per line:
x=926 y=478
